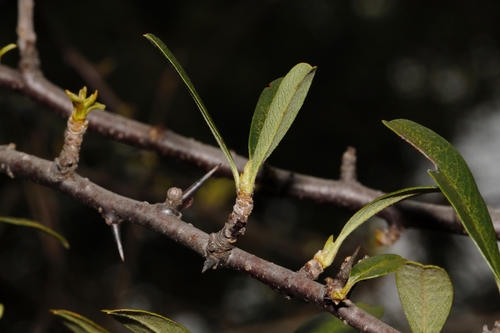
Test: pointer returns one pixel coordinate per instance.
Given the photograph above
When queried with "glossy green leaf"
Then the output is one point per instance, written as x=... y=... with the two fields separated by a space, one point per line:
x=327 y=255
x=197 y=99
x=77 y=323
x=275 y=112
x=36 y=225
x=454 y=178
x=328 y=323
x=426 y=295
x=370 y=268
x=6 y=49
x=139 y=321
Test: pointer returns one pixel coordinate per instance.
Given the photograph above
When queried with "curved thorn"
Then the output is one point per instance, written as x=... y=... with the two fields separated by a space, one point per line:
x=189 y=192
x=115 y=228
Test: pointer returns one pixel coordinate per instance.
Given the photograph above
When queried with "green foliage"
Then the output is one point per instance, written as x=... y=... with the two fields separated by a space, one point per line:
x=327 y=255
x=82 y=104
x=327 y=323
x=146 y=322
x=137 y=321
x=1 y=310
x=426 y=295
x=455 y=180
x=369 y=268
x=275 y=112
x=36 y=225
x=197 y=99
x=6 y=49
x=77 y=323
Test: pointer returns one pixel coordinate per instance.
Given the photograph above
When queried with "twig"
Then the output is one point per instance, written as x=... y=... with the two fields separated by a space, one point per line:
x=30 y=63
x=348 y=166
x=168 y=143
x=159 y=218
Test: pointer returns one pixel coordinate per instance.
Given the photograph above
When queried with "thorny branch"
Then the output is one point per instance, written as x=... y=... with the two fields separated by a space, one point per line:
x=160 y=218
x=346 y=192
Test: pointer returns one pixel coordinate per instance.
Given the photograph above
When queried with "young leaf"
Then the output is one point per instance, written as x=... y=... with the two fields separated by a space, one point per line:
x=6 y=49
x=369 y=268
x=275 y=112
x=77 y=323
x=36 y=225
x=197 y=99
x=454 y=178
x=327 y=323
x=426 y=294
x=139 y=321
x=327 y=255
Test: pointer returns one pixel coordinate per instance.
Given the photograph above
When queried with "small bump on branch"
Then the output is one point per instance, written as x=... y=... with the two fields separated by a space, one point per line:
x=348 y=165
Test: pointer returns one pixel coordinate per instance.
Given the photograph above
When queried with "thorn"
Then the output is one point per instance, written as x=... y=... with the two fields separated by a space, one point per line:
x=115 y=228
x=209 y=264
x=190 y=191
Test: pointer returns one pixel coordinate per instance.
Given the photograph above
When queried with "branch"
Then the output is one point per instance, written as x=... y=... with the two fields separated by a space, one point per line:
x=345 y=192
x=159 y=218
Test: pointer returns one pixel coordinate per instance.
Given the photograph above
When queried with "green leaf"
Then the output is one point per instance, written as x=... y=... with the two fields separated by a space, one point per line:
x=327 y=255
x=77 y=323
x=454 y=178
x=36 y=225
x=426 y=295
x=139 y=321
x=1 y=310
x=328 y=323
x=197 y=99
x=275 y=112
x=6 y=49
x=370 y=268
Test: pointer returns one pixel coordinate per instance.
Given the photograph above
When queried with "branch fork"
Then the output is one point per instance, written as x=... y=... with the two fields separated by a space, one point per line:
x=221 y=243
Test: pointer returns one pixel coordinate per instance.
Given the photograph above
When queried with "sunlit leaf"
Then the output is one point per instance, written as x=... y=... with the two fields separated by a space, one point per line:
x=77 y=323
x=370 y=268
x=327 y=255
x=328 y=323
x=197 y=99
x=6 y=49
x=36 y=225
x=426 y=295
x=454 y=178
x=275 y=112
x=139 y=321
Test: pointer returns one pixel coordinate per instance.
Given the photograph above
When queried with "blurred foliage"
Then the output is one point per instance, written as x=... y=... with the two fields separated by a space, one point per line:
x=432 y=62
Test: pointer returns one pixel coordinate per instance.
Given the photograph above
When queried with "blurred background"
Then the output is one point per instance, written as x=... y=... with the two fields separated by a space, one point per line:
x=437 y=63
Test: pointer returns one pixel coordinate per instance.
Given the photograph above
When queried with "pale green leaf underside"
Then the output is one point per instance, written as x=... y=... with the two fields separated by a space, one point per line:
x=260 y=114
x=328 y=323
x=77 y=323
x=36 y=225
x=275 y=112
x=454 y=178
x=370 y=210
x=426 y=294
x=197 y=99
x=139 y=321
x=370 y=268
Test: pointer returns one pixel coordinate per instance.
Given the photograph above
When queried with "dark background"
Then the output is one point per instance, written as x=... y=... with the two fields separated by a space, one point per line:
x=437 y=63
